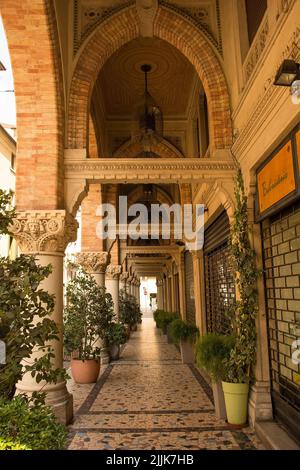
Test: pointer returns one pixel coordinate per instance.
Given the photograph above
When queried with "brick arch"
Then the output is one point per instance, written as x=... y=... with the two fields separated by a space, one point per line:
x=31 y=32
x=171 y=27
x=163 y=149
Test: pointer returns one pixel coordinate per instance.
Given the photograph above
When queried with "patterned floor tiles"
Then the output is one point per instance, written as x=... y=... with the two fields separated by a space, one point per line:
x=150 y=400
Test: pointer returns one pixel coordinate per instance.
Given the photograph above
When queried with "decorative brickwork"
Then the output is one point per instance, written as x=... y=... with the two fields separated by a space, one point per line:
x=32 y=38
x=171 y=27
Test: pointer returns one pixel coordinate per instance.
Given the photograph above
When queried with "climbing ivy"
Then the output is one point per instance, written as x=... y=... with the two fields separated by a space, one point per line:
x=239 y=366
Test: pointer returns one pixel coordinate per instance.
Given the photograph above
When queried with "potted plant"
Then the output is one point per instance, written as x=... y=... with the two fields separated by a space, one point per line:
x=185 y=334
x=115 y=336
x=239 y=365
x=211 y=350
x=86 y=315
x=129 y=311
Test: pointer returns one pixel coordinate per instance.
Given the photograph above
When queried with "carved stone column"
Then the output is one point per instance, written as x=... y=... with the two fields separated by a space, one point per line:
x=95 y=264
x=160 y=298
x=198 y=268
x=124 y=281
x=129 y=283
x=45 y=234
x=112 y=284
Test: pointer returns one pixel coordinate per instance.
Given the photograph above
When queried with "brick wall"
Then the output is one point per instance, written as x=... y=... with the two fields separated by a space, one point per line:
x=33 y=44
x=282 y=270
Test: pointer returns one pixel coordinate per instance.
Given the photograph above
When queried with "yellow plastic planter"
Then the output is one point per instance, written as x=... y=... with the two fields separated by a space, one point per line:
x=236 y=401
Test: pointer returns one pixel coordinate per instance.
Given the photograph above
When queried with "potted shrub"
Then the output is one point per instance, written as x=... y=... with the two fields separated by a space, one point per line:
x=86 y=315
x=239 y=365
x=115 y=336
x=211 y=351
x=129 y=311
x=185 y=334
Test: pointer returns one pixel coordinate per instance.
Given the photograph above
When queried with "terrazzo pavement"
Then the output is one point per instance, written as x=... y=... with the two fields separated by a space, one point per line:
x=149 y=400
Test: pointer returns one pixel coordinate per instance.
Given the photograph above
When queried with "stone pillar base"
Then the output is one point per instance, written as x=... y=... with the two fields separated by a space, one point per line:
x=260 y=403
x=57 y=396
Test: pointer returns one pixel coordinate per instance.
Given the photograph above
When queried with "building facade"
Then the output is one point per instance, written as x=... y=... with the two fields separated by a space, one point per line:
x=81 y=143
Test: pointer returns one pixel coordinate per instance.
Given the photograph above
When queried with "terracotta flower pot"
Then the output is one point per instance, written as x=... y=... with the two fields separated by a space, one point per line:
x=114 y=352
x=85 y=372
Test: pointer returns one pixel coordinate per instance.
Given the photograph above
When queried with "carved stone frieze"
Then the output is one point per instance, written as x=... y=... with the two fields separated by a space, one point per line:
x=44 y=231
x=113 y=271
x=93 y=262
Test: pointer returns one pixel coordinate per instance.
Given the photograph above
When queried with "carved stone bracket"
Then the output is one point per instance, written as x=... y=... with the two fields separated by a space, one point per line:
x=93 y=262
x=113 y=271
x=44 y=231
x=146 y=10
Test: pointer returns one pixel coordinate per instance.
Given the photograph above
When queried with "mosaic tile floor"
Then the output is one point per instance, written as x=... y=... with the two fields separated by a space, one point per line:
x=150 y=400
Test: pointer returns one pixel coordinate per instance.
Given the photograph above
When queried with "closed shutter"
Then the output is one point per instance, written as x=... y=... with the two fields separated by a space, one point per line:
x=281 y=245
x=189 y=288
x=219 y=280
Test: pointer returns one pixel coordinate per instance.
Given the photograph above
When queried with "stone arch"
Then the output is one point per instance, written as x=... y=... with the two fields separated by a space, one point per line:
x=163 y=149
x=169 y=26
x=33 y=42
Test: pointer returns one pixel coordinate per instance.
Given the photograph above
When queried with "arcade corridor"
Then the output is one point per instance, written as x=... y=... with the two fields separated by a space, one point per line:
x=150 y=400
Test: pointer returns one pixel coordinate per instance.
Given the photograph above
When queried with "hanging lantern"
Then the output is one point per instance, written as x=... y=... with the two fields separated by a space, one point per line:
x=147 y=125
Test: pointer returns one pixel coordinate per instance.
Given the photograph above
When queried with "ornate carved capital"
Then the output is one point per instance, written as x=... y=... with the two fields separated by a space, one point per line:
x=44 y=231
x=113 y=271
x=93 y=262
x=124 y=276
x=159 y=282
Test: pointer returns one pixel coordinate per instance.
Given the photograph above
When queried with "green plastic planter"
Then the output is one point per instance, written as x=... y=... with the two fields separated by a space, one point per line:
x=236 y=401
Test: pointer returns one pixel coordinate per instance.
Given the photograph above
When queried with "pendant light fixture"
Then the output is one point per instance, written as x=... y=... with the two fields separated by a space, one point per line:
x=147 y=126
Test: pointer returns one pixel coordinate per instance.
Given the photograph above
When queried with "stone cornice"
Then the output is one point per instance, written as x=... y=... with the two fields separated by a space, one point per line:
x=44 y=231
x=113 y=271
x=104 y=170
x=93 y=262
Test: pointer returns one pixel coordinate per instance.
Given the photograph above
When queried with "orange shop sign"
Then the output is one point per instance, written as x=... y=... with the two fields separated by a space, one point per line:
x=276 y=179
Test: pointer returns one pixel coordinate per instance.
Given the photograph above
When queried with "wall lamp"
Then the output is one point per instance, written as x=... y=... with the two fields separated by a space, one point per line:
x=288 y=75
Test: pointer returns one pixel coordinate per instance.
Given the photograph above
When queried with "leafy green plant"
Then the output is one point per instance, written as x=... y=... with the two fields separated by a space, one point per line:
x=211 y=351
x=129 y=310
x=26 y=427
x=25 y=323
x=182 y=331
x=7 y=212
x=116 y=334
x=243 y=312
x=87 y=316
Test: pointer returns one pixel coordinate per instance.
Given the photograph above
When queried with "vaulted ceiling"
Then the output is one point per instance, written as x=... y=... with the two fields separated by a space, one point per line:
x=171 y=79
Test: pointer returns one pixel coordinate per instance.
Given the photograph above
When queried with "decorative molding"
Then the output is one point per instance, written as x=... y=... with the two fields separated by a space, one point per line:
x=44 y=231
x=198 y=16
x=256 y=49
x=146 y=10
x=185 y=170
x=113 y=272
x=87 y=18
x=267 y=98
x=93 y=262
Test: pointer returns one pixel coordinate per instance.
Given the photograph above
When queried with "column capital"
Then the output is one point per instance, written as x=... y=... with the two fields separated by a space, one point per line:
x=159 y=282
x=124 y=276
x=93 y=262
x=113 y=271
x=44 y=231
